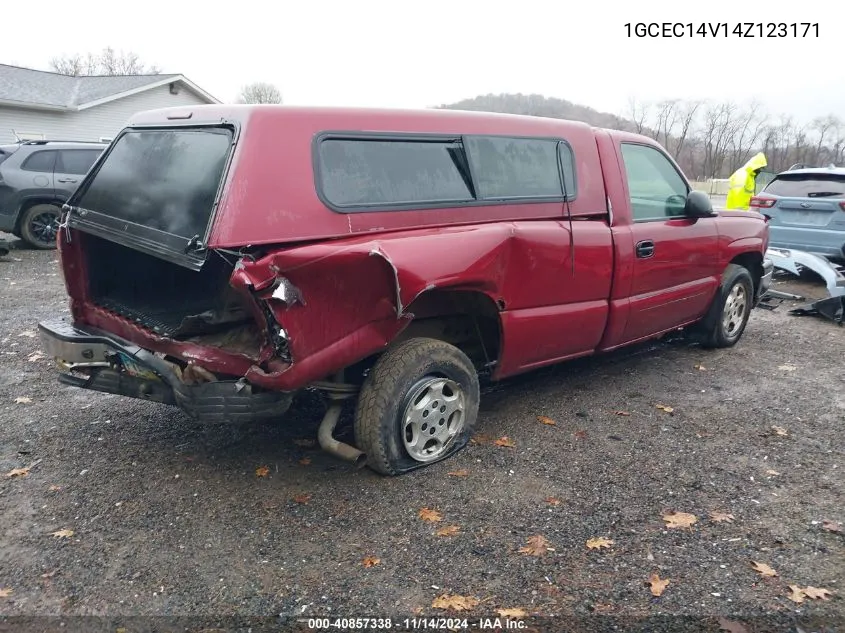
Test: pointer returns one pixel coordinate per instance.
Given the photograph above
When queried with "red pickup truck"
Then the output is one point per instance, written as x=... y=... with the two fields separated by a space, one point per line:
x=222 y=258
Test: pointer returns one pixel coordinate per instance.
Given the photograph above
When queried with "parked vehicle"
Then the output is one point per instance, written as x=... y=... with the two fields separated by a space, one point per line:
x=222 y=258
x=36 y=177
x=807 y=210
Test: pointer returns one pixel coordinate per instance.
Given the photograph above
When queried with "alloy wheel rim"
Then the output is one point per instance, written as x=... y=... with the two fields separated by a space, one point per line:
x=433 y=417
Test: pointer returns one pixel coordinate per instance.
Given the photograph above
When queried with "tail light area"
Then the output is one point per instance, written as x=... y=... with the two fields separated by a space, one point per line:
x=760 y=202
x=842 y=205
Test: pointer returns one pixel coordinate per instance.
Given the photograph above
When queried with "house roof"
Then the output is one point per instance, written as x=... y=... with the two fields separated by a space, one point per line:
x=38 y=89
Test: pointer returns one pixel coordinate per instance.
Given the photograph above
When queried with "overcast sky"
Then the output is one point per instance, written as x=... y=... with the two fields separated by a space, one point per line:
x=417 y=54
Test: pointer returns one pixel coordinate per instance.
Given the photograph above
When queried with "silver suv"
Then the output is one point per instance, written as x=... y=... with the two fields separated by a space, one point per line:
x=36 y=177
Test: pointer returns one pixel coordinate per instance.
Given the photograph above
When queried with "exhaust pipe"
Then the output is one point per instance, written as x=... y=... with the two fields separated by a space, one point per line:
x=329 y=444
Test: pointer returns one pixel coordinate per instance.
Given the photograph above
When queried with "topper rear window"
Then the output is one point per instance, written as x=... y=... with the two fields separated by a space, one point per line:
x=161 y=179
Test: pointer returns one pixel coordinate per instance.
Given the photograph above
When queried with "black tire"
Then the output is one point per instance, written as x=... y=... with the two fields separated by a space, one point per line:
x=39 y=226
x=397 y=377
x=718 y=330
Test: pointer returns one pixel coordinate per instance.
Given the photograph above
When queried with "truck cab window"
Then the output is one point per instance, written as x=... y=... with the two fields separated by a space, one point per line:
x=656 y=188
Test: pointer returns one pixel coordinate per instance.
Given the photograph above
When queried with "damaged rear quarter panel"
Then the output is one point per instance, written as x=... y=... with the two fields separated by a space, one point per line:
x=353 y=296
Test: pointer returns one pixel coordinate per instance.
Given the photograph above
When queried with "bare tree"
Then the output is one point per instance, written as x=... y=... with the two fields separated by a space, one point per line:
x=638 y=113
x=718 y=129
x=687 y=121
x=747 y=128
x=107 y=62
x=827 y=126
x=260 y=92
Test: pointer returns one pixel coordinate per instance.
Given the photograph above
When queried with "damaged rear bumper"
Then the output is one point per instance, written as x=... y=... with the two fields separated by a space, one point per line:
x=93 y=359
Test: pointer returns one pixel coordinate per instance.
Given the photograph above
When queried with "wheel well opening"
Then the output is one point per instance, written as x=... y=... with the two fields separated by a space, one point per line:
x=753 y=262
x=28 y=204
x=468 y=320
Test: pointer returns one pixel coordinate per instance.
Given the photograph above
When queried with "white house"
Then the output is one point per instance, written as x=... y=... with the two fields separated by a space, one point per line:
x=35 y=104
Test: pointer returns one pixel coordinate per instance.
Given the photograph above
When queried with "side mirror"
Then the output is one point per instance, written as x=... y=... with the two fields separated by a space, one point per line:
x=698 y=205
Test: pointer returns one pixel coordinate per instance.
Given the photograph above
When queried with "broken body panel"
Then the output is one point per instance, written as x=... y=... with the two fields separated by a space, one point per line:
x=303 y=290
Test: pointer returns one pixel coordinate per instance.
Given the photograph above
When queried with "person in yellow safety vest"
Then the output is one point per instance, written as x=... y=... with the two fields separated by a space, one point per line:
x=742 y=182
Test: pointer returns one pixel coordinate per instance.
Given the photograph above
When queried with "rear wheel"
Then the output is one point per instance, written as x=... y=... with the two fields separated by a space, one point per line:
x=418 y=406
x=728 y=317
x=39 y=225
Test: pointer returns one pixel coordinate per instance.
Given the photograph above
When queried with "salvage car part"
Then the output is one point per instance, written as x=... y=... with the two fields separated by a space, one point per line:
x=794 y=261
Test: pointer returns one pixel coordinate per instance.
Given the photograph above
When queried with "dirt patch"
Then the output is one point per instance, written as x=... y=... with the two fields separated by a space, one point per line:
x=170 y=518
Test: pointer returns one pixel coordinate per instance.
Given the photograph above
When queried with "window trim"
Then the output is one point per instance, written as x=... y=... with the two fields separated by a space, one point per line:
x=35 y=153
x=659 y=150
x=433 y=138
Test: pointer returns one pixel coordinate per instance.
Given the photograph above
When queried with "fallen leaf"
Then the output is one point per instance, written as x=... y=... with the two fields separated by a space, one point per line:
x=832 y=526
x=817 y=593
x=679 y=520
x=763 y=569
x=304 y=443
x=62 y=533
x=5 y=592
x=417 y=610
x=787 y=367
x=772 y=473
x=663 y=407
x=23 y=400
x=720 y=517
x=731 y=627
x=547 y=421
x=658 y=586
x=449 y=530
x=796 y=594
x=505 y=442
x=512 y=613
x=535 y=546
x=36 y=356
x=552 y=501
x=50 y=574
x=302 y=498
x=598 y=542
x=27 y=333
x=262 y=471
x=779 y=430
x=480 y=438
x=701 y=368
x=625 y=413
x=305 y=461
x=54 y=488
x=18 y=472
x=427 y=514
x=580 y=434
x=454 y=602
x=370 y=561
x=463 y=472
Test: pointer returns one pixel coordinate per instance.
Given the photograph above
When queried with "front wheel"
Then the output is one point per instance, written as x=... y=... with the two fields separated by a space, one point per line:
x=418 y=406
x=39 y=225
x=729 y=314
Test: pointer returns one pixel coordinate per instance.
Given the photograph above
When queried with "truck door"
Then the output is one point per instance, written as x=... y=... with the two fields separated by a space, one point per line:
x=676 y=268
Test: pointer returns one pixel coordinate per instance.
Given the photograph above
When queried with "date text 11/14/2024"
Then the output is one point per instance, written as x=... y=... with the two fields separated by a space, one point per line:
x=722 y=29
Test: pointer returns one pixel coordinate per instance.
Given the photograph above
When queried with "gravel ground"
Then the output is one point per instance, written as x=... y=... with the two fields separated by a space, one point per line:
x=172 y=518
